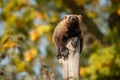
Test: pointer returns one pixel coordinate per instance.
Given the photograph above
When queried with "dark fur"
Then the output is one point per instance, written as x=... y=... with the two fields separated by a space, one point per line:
x=68 y=28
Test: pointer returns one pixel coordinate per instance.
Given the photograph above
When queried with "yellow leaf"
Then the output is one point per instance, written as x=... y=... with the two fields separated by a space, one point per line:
x=91 y=14
x=46 y=28
x=8 y=43
x=40 y=30
x=34 y=52
x=27 y=56
x=118 y=11
x=80 y=2
x=98 y=65
x=38 y=15
x=54 y=19
x=82 y=71
x=30 y=54
x=21 y=66
x=34 y=36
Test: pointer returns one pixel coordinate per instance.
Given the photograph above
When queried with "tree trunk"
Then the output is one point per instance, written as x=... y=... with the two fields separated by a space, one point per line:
x=71 y=66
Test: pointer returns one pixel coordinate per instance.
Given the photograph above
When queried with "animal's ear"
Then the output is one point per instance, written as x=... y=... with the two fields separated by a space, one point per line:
x=65 y=17
x=80 y=17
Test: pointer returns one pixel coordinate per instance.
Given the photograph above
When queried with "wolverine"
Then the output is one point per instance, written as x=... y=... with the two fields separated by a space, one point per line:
x=68 y=28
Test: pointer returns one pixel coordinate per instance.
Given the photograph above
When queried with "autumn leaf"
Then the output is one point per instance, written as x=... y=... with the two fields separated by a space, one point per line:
x=118 y=11
x=80 y=2
x=34 y=36
x=82 y=71
x=30 y=54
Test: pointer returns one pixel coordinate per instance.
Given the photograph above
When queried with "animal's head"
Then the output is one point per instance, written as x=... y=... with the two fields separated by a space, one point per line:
x=73 y=19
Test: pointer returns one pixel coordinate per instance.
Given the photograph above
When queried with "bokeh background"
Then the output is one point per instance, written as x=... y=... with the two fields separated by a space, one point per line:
x=27 y=51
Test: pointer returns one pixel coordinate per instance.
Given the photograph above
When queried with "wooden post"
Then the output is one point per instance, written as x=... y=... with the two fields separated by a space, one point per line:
x=71 y=66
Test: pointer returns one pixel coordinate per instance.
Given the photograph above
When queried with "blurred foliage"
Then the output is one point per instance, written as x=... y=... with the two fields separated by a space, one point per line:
x=26 y=47
x=103 y=64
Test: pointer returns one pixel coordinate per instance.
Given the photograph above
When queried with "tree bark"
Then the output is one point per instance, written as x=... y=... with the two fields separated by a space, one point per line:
x=71 y=66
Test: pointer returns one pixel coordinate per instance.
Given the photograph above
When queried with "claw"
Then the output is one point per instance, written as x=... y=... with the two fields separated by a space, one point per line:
x=59 y=56
x=65 y=53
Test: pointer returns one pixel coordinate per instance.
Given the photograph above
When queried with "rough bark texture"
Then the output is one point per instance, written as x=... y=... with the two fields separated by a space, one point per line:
x=71 y=66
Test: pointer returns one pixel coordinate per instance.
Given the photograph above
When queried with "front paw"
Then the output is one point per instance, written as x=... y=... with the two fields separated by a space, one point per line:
x=59 y=56
x=65 y=53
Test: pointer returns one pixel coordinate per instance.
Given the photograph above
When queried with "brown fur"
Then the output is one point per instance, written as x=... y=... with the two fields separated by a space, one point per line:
x=68 y=28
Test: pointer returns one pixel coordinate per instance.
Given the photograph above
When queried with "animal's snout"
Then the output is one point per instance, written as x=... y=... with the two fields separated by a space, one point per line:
x=73 y=19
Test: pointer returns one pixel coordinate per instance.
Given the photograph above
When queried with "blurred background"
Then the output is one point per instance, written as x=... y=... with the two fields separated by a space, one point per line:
x=27 y=51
